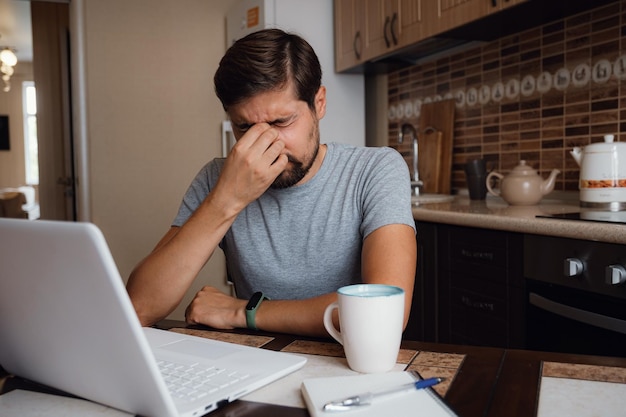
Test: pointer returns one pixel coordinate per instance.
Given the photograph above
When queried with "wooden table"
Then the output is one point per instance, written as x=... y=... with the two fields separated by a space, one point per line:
x=490 y=382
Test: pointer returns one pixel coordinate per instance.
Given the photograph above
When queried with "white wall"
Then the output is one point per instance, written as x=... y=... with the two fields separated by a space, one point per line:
x=152 y=117
x=345 y=112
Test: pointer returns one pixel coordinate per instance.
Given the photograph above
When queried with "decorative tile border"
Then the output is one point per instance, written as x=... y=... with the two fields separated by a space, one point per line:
x=532 y=95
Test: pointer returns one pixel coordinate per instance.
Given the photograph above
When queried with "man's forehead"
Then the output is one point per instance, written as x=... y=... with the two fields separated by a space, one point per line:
x=266 y=107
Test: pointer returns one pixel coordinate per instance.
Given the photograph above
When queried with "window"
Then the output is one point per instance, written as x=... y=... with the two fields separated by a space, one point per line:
x=31 y=147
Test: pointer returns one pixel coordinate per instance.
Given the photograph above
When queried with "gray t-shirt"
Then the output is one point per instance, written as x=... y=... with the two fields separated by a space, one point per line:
x=306 y=240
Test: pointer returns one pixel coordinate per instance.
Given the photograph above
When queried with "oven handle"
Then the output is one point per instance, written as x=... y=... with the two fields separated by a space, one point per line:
x=583 y=316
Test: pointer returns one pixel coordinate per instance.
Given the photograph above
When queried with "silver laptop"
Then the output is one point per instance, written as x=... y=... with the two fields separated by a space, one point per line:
x=66 y=321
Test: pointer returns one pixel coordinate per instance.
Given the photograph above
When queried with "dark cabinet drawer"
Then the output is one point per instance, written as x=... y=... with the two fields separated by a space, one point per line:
x=493 y=255
x=480 y=287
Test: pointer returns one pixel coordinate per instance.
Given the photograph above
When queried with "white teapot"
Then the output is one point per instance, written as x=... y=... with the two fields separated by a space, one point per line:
x=602 y=181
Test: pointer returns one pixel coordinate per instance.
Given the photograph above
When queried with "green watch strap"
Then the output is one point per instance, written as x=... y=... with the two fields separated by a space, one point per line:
x=251 y=308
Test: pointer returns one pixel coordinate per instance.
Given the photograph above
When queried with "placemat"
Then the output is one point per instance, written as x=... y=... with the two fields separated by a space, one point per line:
x=435 y=364
x=581 y=390
x=428 y=364
x=240 y=339
x=584 y=372
x=336 y=350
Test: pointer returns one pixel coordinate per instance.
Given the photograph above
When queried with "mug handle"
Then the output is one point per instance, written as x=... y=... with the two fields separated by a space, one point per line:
x=328 y=322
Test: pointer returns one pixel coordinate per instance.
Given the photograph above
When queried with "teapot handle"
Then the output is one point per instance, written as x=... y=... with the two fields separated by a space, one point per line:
x=499 y=177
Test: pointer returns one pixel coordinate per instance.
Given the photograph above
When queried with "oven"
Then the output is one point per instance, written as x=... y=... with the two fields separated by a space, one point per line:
x=575 y=295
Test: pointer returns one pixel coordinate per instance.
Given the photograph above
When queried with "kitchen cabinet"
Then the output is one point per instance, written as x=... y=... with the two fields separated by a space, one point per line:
x=469 y=287
x=443 y=15
x=423 y=319
x=480 y=287
x=368 y=29
x=349 y=34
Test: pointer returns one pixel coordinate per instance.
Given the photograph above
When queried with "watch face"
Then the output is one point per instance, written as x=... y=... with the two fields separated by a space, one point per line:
x=254 y=300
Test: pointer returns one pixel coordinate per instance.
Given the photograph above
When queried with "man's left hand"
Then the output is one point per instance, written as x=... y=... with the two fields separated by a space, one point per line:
x=213 y=308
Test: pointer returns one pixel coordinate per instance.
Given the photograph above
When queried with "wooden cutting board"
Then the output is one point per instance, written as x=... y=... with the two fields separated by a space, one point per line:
x=435 y=140
x=429 y=160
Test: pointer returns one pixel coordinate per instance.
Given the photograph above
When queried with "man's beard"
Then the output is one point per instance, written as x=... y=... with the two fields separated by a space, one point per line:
x=291 y=176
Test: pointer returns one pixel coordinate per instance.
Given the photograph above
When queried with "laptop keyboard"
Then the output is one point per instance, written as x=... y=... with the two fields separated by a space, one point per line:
x=190 y=382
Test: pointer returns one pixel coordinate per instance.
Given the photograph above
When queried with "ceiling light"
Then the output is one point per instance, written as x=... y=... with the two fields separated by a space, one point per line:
x=8 y=57
x=7 y=62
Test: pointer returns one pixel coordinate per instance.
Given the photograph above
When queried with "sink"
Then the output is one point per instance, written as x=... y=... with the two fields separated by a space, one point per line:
x=431 y=198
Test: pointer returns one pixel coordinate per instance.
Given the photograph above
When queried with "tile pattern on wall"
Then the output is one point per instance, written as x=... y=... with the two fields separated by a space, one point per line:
x=530 y=96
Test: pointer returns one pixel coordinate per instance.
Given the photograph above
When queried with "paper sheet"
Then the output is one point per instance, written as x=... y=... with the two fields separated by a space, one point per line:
x=286 y=391
x=320 y=391
x=20 y=403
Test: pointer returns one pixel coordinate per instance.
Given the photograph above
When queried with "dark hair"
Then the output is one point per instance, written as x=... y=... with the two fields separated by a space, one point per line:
x=264 y=61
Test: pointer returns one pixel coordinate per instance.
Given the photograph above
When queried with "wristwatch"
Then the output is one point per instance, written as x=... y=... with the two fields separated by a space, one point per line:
x=251 y=308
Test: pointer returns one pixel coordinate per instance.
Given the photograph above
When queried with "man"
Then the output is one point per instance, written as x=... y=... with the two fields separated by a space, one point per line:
x=295 y=219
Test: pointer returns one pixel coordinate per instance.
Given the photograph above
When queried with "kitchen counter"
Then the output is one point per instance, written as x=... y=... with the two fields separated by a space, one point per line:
x=495 y=213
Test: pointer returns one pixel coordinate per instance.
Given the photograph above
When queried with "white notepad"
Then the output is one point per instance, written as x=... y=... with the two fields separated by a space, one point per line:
x=426 y=402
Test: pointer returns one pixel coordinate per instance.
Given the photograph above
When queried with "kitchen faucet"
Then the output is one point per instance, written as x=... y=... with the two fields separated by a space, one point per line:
x=408 y=129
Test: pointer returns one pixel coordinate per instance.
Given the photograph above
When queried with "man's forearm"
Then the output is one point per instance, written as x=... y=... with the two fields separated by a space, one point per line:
x=304 y=317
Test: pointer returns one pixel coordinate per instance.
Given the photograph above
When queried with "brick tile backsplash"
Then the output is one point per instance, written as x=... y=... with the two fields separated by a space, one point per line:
x=532 y=95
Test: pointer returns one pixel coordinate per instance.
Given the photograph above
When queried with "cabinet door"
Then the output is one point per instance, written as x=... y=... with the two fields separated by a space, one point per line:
x=423 y=319
x=349 y=34
x=480 y=287
x=392 y=24
x=382 y=18
x=442 y=15
x=411 y=22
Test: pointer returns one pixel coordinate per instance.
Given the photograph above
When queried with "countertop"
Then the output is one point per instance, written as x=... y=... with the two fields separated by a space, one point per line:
x=480 y=381
x=494 y=213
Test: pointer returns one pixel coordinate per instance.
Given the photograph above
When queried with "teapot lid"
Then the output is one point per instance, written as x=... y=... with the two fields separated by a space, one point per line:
x=608 y=144
x=523 y=169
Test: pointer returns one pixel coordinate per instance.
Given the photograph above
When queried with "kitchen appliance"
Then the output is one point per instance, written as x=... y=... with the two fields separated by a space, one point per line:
x=523 y=186
x=602 y=216
x=602 y=180
x=575 y=295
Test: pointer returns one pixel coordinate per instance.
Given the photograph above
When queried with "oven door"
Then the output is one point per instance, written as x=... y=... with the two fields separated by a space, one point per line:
x=562 y=319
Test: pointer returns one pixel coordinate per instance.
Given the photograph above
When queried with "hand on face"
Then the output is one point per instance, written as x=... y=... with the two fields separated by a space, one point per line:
x=253 y=164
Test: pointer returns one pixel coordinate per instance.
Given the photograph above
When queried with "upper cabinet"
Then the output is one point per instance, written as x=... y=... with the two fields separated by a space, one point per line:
x=366 y=30
x=443 y=15
x=349 y=34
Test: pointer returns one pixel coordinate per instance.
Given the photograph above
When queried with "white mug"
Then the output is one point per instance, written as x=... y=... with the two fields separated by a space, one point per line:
x=371 y=318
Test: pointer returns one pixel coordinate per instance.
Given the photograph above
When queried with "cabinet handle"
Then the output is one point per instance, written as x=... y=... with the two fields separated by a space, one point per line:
x=576 y=314
x=356 y=44
x=394 y=21
x=472 y=254
x=477 y=304
x=385 y=31
x=494 y=3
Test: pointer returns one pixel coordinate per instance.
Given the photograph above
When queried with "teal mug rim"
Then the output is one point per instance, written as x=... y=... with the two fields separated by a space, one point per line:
x=377 y=290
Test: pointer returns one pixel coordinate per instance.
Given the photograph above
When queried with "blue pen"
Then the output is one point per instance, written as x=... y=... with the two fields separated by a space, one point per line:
x=368 y=397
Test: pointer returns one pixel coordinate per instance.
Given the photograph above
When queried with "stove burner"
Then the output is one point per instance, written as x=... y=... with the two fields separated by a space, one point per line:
x=593 y=216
